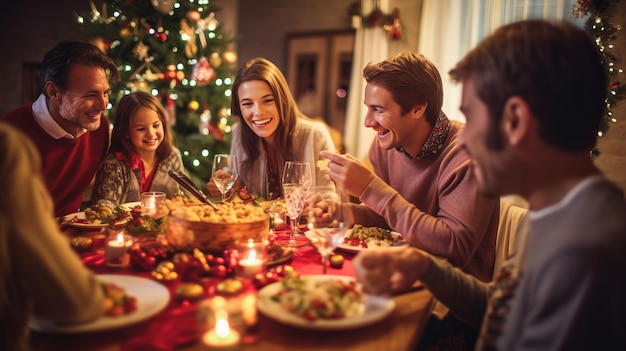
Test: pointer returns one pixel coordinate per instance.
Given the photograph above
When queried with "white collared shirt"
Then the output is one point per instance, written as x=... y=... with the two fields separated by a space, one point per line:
x=47 y=123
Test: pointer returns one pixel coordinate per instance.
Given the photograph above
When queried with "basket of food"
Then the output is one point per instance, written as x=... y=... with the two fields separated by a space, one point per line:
x=213 y=230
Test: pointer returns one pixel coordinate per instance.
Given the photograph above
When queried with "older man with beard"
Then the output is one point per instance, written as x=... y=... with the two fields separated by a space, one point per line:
x=67 y=121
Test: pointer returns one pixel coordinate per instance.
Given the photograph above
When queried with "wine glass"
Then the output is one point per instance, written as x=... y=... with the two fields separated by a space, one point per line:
x=224 y=172
x=327 y=220
x=297 y=179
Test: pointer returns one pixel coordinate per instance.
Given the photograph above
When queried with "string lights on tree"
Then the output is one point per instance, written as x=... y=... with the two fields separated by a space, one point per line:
x=176 y=50
x=598 y=25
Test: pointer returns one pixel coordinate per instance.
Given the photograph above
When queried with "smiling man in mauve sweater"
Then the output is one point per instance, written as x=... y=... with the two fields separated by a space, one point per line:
x=67 y=122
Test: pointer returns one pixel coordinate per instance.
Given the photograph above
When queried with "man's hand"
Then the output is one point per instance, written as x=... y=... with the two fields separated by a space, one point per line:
x=384 y=271
x=348 y=173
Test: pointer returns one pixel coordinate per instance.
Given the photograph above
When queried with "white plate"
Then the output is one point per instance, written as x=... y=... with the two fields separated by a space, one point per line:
x=81 y=215
x=352 y=248
x=131 y=205
x=152 y=297
x=376 y=308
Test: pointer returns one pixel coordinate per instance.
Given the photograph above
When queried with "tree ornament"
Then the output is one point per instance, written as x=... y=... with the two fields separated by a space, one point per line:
x=188 y=34
x=160 y=35
x=140 y=51
x=193 y=105
x=215 y=60
x=163 y=6
x=98 y=16
x=230 y=57
x=192 y=16
x=100 y=43
x=202 y=72
x=205 y=122
x=125 y=33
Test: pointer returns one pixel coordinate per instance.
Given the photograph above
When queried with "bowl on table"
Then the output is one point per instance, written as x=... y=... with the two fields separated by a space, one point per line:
x=213 y=230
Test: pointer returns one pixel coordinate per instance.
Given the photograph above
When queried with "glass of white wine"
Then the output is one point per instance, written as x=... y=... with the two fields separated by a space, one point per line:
x=224 y=172
x=297 y=179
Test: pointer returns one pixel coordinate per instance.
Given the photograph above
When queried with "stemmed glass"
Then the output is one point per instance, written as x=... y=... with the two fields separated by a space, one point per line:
x=224 y=172
x=297 y=179
x=327 y=220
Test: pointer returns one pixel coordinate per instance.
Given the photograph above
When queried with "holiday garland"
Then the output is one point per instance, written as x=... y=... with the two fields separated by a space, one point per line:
x=600 y=28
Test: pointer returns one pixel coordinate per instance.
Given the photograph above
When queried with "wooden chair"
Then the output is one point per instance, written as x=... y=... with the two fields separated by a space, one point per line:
x=511 y=215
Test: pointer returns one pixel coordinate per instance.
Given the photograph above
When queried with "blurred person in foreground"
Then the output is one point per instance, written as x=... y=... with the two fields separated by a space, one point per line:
x=421 y=184
x=271 y=131
x=533 y=95
x=40 y=275
x=67 y=123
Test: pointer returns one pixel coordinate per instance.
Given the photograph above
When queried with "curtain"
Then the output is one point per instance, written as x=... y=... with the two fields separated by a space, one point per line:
x=370 y=45
x=450 y=28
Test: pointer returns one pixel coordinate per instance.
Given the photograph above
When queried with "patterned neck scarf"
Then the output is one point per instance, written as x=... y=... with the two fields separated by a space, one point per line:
x=436 y=139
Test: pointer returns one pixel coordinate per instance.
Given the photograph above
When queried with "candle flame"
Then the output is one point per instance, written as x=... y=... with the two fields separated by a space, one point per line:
x=120 y=238
x=252 y=255
x=222 y=329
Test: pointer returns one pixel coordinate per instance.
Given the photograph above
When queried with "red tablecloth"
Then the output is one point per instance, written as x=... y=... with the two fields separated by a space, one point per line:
x=177 y=324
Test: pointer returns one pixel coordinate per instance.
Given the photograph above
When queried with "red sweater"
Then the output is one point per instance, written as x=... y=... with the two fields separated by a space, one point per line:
x=68 y=165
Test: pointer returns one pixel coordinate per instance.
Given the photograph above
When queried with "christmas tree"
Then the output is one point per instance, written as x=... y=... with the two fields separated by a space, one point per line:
x=176 y=50
x=598 y=25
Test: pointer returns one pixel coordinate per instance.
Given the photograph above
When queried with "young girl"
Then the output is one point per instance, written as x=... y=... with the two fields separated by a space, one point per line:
x=272 y=130
x=140 y=155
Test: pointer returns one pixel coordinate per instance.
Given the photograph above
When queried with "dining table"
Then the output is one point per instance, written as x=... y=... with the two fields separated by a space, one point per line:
x=176 y=327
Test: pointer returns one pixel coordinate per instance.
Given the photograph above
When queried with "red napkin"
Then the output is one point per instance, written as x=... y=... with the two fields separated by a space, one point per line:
x=169 y=330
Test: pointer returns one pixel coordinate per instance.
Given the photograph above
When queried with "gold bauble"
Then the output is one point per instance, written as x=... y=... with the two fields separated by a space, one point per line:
x=215 y=60
x=230 y=57
x=180 y=75
x=193 y=105
x=192 y=16
x=125 y=33
x=99 y=43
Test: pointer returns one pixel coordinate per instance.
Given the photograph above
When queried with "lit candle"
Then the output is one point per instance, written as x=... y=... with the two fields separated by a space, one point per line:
x=151 y=201
x=249 y=266
x=116 y=251
x=222 y=337
x=279 y=223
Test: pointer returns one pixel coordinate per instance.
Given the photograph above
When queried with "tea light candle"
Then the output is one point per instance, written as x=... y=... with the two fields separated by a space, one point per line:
x=222 y=337
x=116 y=251
x=279 y=223
x=150 y=202
x=249 y=266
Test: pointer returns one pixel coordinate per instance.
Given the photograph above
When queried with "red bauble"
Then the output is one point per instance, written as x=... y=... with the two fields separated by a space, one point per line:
x=203 y=73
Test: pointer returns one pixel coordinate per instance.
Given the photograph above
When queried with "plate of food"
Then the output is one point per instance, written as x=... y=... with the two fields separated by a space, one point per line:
x=277 y=254
x=361 y=238
x=150 y=297
x=99 y=217
x=322 y=302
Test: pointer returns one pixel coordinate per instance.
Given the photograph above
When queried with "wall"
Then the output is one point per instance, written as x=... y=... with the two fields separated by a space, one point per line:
x=30 y=28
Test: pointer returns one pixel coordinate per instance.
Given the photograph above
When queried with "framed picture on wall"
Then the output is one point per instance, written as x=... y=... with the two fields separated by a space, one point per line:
x=319 y=65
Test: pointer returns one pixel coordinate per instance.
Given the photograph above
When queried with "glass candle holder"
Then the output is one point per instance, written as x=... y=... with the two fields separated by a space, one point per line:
x=151 y=201
x=116 y=249
x=220 y=329
x=251 y=258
